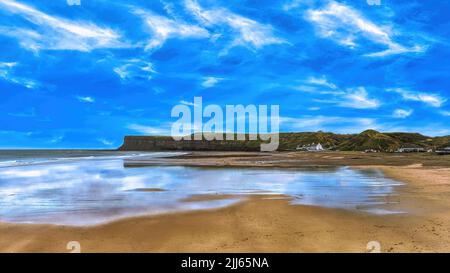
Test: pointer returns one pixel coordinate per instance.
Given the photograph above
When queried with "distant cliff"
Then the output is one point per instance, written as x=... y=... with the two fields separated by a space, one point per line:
x=369 y=139
x=163 y=143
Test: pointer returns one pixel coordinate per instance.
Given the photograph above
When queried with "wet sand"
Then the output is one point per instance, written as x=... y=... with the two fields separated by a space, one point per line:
x=262 y=224
x=210 y=197
x=293 y=159
x=150 y=190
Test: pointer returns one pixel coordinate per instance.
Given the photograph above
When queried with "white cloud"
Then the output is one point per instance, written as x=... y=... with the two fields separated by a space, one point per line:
x=314 y=108
x=55 y=33
x=135 y=69
x=445 y=113
x=106 y=142
x=346 y=26
x=322 y=81
x=86 y=99
x=294 y=4
x=188 y=103
x=148 y=130
x=328 y=123
x=168 y=7
x=7 y=65
x=359 y=99
x=352 y=98
x=319 y=85
x=433 y=100
x=56 y=139
x=16 y=133
x=318 y=89
x=431 y=129
x=209 y=82
x=402 y=113
x=7 y=74
x=163 y=28
x=247 y=31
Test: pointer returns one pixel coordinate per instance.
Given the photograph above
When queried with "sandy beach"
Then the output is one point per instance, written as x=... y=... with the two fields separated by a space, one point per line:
x=271 y=224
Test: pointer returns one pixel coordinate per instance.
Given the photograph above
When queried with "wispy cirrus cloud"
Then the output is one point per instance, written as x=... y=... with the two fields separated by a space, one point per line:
x=56 y=139
x=247 y=32
x=56 y=33
x=356 y=98
x=318 y=89
x=347 y=26
x=188 y=103
x=209 y=82
x=429 y=99
x=134 y=69
x=163 y=28
x=328 y=123
x=359 y=99
x=7 y=74
x=149 y=130
x=445 y=113
x=106 y=142
x=86 y=99
x=294 y=4
x=322 y=81
x=402 y=113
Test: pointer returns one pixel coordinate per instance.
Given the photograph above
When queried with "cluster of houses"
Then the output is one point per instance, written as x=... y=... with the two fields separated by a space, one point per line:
x=444 y=151
x=414 y=150
x=318 y=148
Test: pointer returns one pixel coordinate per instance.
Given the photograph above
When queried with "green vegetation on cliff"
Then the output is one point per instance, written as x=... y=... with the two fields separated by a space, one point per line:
x=367 y=140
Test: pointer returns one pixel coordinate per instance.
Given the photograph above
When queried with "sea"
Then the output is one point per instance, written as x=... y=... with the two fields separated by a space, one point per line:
x=82 y=187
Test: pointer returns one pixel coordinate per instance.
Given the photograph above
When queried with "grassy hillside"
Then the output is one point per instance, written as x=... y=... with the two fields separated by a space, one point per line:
x=441 y=142
x=369 y=139
x=290 y=141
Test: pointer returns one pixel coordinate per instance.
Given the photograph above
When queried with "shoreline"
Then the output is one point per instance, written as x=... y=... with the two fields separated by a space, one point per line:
x=291 y=159
x=261 y=224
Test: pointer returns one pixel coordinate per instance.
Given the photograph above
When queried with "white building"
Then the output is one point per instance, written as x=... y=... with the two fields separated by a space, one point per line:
x=311 y=148
x=444 y=151
x=411 y=150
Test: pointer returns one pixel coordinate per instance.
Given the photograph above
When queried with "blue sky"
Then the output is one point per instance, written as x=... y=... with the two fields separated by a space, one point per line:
x=84 y=76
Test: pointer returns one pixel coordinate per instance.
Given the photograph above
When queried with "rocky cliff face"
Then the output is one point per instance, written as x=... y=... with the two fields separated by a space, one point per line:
x=148 y=143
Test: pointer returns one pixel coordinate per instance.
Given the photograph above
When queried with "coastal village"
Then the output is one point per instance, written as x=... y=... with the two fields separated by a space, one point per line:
x=319 y=148
x=371 y=141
